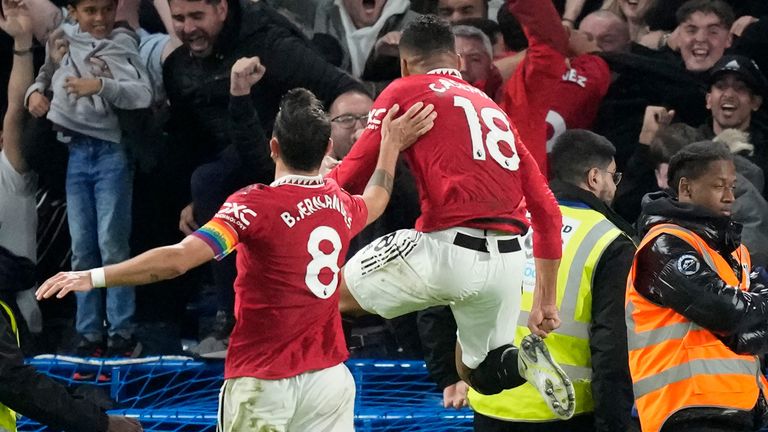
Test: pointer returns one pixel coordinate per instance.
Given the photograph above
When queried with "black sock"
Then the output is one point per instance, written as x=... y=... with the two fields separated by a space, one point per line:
x=497 y=372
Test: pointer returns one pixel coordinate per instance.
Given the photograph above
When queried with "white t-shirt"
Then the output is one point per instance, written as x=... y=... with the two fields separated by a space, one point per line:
x=18 y=210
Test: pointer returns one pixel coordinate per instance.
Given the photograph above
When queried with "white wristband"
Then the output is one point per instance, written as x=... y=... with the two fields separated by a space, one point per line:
x=98 y=278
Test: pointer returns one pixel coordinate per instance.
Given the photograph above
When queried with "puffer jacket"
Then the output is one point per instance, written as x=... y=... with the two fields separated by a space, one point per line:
x=738 y=318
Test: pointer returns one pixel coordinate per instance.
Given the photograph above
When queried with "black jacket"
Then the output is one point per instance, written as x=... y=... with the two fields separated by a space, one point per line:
x=739 y=318
x=198 y=88
x=37 y=396
x=611 y=382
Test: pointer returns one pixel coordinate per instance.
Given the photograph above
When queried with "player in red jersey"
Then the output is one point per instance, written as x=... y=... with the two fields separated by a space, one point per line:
x=283 y=369
x=476 y=181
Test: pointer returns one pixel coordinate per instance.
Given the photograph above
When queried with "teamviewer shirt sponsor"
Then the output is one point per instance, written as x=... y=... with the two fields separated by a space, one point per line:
x=291 y=238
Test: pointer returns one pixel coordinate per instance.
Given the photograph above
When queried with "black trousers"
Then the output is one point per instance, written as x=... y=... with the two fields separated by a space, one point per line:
x=581 y=423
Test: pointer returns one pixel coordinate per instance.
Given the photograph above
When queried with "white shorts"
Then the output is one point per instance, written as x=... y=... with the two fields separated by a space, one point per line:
x=407 y=271
x=317 y=401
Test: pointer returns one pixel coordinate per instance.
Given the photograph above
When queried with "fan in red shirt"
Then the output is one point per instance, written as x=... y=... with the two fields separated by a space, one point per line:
x=476 y=181
x=558 y=85
x=284 y=365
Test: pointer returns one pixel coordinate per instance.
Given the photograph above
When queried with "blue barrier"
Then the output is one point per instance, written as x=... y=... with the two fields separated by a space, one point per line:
x=179 y=394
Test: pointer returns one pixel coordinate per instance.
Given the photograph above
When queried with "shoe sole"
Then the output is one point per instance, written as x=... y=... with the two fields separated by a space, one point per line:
x=535 y=349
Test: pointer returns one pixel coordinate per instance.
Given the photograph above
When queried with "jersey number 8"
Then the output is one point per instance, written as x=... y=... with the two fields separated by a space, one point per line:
x=490 y=116
x=322 y=260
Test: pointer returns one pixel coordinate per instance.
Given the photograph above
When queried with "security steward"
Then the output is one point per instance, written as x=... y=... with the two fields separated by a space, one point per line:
x=28 y=392
x=695 y=320
x=590 y=344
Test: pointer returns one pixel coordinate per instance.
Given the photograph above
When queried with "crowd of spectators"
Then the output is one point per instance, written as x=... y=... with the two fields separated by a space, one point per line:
x=131 y=140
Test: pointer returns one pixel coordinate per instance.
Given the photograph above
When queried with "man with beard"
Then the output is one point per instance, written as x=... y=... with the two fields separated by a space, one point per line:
x=590 y=343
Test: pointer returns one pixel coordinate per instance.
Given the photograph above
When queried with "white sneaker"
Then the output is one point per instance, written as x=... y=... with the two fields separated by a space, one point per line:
x=538 y=368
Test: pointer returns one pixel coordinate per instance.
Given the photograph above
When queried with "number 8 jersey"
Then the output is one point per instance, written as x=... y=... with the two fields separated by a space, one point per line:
x=291 y=239
x=471 y=169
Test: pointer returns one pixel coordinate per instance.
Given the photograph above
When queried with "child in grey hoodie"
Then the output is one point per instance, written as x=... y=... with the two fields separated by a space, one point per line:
x=100 y=72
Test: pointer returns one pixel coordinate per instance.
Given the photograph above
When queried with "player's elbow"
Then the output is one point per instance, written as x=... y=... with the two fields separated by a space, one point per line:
x=175 y=264
x=175 y=271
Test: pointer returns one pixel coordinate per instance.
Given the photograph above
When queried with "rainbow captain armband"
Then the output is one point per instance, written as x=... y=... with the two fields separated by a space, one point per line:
x=219 y=236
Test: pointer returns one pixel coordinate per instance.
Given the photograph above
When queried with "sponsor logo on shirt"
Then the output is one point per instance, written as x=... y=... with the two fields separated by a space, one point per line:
x=239 y=212
x=375 y=118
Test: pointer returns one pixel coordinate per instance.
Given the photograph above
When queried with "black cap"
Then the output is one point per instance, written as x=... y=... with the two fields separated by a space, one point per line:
x=745 y=68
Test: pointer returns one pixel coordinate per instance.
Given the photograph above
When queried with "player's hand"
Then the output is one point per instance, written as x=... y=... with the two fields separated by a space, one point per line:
x=328 y=164
x=741 y=24
x=123 y=424
x=388 y=45
x=187 y=223
x=655 y=118
x=63 y=283
x=38 y=105
x=81 y=87
x=455 y=395
x=543 y=320
x=403 y=131
x=246 y=72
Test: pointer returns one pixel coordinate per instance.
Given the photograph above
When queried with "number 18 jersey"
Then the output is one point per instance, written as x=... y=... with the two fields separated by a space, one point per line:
x=471 y=169
x=291 y=240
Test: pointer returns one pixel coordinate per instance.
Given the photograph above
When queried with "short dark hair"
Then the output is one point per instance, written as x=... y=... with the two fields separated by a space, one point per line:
x=302 y=130
x=718 y=7
x=576 y=152
x=671 y=139
x=693 y=161
x=427 y=35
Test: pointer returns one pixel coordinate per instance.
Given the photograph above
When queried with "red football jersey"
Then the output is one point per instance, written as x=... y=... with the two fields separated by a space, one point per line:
x=471 y=169
x=292 y=238
x=545 y=96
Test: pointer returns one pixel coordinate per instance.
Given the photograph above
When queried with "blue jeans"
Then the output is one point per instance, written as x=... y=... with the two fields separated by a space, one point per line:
x=99 y=189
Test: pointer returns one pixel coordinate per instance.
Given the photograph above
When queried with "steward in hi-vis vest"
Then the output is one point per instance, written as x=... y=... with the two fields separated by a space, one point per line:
x=7 y=416
x=590 y=343
x=26 y=391
x=696 y=319
x=596 y=257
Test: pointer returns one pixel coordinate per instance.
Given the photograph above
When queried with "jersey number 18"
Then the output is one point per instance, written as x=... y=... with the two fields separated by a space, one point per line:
x=490 y=116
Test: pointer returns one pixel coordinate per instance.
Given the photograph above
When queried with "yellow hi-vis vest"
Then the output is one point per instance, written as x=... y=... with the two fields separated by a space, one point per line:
x=7 y=415
x=586 y=234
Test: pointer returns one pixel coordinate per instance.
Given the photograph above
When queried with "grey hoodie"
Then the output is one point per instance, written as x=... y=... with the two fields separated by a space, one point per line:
x=124 y=82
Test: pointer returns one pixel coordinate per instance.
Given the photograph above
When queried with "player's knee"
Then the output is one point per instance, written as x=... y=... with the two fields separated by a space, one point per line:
x=497 y=372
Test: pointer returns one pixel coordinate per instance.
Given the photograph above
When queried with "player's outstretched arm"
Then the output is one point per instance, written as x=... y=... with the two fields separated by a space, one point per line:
x=396 y=136
x=154 y=265
x=544 y=316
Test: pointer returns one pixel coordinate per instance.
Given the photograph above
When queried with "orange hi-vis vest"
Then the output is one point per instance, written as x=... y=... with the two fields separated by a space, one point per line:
x=677 y=364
